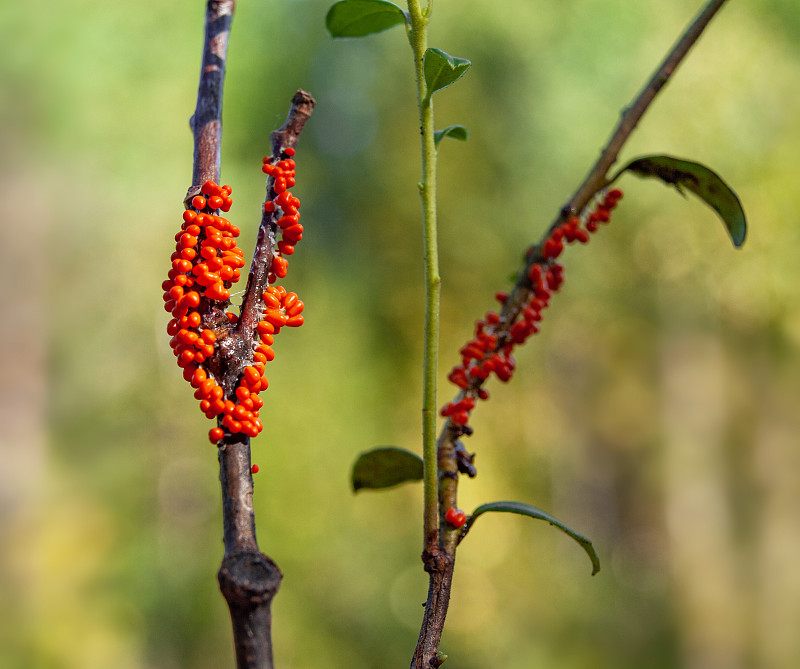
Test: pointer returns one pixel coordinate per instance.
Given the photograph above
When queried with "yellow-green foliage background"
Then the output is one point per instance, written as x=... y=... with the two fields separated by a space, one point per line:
x=657 y=412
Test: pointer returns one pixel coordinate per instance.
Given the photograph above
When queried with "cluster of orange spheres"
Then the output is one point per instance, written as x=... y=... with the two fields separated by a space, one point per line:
x=283 y=178
x=456 y=517
x=485 y=353
x=205 y=264
x=206 y=261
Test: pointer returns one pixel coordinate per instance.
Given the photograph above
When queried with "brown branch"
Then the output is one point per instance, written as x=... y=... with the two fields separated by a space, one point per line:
x=206 y=123
x=248 y=579
x=596 y=179
x=440 y=560
x=281 y=139
x=440 y=584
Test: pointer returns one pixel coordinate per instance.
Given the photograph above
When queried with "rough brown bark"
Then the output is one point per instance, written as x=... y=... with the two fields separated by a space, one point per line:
x=206 y=123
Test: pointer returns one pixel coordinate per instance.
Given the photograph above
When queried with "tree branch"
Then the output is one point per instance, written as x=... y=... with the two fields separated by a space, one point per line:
x=206 y=123
x=248 y=579
x=440 y=563
x=596 y=179
x=283 y=138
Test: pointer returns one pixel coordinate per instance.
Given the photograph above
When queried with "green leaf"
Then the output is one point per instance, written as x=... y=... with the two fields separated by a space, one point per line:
x=533 y=512
x=441 y=69
x=702 y=181
x=356 y=18
x=458 y=132
x=385 y=467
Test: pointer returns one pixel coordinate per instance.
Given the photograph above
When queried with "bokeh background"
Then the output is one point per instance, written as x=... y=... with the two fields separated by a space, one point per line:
x=657 y=412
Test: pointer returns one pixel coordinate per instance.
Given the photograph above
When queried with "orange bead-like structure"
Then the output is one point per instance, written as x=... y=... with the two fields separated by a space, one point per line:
x=490 y=350
x=205 y=265
x=284 y=208
x=455 y=517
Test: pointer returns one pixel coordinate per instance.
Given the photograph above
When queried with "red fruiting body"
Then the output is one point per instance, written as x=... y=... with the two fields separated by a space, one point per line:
x=489 y=352
x=455 y=517
x=254 y=469
x=205 y=265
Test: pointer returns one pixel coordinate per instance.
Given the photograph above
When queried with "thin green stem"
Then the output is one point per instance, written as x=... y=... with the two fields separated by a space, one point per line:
x=418 y=37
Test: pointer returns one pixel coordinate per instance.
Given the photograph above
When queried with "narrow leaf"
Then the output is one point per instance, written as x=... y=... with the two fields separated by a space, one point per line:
x=356 y=18
x=533 y=512
x=458 y=132
x=702 y=181
x=385 y=467
x=441 y=69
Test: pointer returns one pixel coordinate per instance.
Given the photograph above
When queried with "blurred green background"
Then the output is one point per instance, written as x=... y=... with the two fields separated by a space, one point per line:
x=657 y=412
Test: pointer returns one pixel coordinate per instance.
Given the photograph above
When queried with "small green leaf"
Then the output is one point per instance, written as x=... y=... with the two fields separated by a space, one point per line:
x=702 y=181
x=441 y=69
x=533 y=512
x=385 y=467
x=458 y=132
x=356 y=18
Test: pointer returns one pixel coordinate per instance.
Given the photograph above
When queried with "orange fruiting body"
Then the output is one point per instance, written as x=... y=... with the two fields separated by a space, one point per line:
x=205 y=265
x=455 y=517
x=490 y=350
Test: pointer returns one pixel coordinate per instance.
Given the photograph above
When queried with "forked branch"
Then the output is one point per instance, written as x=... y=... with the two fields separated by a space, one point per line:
x=248 y=579
x=440 y=556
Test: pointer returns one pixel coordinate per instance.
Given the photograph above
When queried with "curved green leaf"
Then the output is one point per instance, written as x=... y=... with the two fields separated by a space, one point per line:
x=385 y=467
x=441 y=69
x=356 y=18
x=458 y=132
x=702 y=181
x=533 y=512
